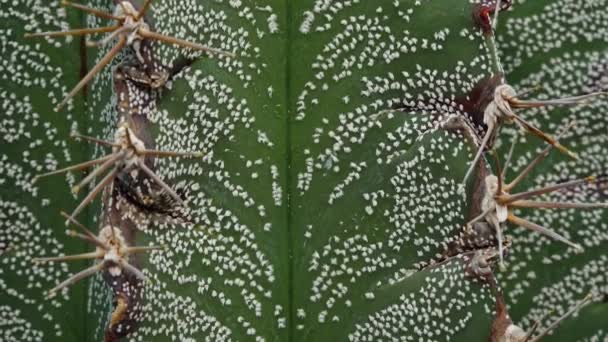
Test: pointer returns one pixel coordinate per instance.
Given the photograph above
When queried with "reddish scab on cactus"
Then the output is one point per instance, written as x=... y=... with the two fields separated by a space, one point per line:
x=484 y=11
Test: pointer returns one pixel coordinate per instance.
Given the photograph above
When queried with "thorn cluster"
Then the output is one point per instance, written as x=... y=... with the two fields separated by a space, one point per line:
x=128 y=154
x=498 y=203
x=130 y=30
x=132 y=158
x=111 y=255
x=500 y=110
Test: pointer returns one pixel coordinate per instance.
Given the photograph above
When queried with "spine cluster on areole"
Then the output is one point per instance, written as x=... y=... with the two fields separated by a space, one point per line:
x=485 y=109
x=129 y=182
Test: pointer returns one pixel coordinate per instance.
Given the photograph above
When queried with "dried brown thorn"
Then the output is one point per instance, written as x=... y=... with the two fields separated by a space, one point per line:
x=111 y=253
x=498 y=204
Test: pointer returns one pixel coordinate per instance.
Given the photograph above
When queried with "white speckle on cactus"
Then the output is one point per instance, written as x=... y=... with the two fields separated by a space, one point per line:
x=28 y=73
x=421 y=314
x=567 y=73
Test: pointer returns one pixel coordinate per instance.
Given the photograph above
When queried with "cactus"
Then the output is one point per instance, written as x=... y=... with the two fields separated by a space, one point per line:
x=348 y=178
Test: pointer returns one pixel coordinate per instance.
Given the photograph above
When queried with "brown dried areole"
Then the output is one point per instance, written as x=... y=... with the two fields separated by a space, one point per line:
x=128 y=303
x=149 y=199
x=479 y=236
x=481 y=262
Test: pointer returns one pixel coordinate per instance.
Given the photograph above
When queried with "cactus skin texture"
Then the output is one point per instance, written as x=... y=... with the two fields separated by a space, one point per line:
x=330 y=202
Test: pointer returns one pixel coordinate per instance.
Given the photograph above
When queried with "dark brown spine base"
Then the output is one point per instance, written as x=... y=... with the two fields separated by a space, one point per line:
x=483 y=12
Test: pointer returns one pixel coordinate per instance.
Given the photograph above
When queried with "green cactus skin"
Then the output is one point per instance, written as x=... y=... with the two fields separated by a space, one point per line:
x=329 y=192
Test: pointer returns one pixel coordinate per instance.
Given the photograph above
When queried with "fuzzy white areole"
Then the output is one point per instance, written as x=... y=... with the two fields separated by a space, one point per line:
x=116 y=252
x=111 y=253
x=498 y=203
x=514 y=333
x=132 y=24
x=133 y=148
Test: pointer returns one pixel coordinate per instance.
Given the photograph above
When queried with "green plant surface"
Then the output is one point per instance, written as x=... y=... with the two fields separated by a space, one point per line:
x=34 y=75
x=318 y=201
x=279 y=254
x=374 y=196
